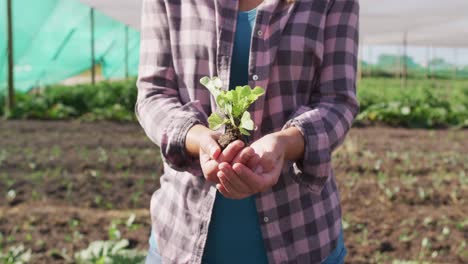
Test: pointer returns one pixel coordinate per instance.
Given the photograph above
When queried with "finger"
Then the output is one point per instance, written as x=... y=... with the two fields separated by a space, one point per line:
x=254 y=163
x=229 y=189
x=244 y=155
x=234 y=179
x=210 y=169
x=231 y=151
x=255 y=181
x=210 y=147
x=216 y=135
x=272 y=176
x=223 y=191
x=267 y=162
x=226 y=184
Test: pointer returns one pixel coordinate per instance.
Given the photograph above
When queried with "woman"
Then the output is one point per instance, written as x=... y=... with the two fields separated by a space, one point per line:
x=276 y=199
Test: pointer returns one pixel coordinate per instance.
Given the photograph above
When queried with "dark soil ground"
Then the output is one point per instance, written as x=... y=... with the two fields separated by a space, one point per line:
x=63 y=184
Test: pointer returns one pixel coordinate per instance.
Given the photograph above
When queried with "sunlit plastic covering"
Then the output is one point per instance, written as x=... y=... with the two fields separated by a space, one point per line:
x=425 y=22
x=125 y=11
x=52 y=42
x=52 y=37
x=428 y=27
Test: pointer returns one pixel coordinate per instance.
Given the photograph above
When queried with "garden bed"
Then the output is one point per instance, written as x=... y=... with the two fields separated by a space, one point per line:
x=65 y=184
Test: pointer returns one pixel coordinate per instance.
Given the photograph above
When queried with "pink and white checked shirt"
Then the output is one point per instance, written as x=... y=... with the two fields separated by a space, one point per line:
x=305 y=55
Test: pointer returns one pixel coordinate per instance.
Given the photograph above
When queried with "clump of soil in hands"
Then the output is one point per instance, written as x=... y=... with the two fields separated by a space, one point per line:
x=230 y=135
x=232 y=109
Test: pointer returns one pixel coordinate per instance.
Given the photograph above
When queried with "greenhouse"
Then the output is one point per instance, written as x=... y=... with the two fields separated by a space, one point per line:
x=55 y=43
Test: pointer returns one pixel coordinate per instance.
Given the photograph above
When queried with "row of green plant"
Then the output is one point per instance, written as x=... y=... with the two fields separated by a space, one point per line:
x=419 y=74
x=98 y=252
x=419 y=103
x=115 y=250
x=103 y=101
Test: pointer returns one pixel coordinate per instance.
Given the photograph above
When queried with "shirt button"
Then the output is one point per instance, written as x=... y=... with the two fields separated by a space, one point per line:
x=255 y=77
x=259 y=33
x=265 y=219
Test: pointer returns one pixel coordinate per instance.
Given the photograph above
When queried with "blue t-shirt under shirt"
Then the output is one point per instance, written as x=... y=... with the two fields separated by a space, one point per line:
x=234 y=234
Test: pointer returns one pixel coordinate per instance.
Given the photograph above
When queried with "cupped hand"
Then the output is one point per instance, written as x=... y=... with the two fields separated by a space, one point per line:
x=255 y=169
x=211 y=155
x=201 y=142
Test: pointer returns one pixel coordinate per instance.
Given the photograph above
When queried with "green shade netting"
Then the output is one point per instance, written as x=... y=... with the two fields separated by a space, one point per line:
x=52 y=42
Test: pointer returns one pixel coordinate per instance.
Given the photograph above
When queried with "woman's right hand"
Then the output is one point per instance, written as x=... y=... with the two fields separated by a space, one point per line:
x=202 y=142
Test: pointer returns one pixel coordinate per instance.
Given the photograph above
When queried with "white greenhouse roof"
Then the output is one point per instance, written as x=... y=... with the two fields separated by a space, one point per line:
x=425 y=22
x=125 y=11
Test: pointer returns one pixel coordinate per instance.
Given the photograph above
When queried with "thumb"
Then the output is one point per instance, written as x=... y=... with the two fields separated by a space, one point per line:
x=267 y=163
x=210 y=147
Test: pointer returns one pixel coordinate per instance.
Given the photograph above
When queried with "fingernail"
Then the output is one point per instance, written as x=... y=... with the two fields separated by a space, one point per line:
x=236 y=168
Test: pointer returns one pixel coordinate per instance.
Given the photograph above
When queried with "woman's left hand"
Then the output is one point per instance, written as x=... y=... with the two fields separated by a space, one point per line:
x=255 y=169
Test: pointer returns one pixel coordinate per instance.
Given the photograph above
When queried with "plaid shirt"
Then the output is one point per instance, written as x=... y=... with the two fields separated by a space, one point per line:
x=305 y=55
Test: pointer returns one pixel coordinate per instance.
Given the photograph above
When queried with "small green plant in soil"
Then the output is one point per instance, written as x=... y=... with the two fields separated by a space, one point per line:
x=111 y=251
x=16 y=255
x=232 y=109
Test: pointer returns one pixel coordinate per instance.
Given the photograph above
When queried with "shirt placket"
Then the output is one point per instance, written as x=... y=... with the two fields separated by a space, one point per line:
x=226 y=42
x=224 y=59
x=258 y=76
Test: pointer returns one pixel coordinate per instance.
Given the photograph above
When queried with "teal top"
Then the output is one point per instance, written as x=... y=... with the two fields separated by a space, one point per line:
x=234 y=234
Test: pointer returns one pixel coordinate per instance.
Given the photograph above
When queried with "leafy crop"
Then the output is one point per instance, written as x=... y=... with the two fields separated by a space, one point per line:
x=16 y=255
x=423 y=104
x=104 y=252
x=232 y=105
x=103 y=101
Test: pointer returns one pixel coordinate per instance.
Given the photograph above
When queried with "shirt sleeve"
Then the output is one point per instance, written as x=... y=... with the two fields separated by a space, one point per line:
x=158 y=109
x=333 y=103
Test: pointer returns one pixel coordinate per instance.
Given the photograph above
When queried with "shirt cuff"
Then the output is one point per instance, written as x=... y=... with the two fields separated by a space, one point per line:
x=314 y=169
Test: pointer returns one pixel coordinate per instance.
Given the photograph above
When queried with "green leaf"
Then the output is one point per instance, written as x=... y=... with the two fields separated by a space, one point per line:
x=255 y=94
x=229 y=114
x=241 y=102
x=217 y=82
x=237 y=110
x=233 y=104
x=215 y=121
x=259 y=91
x=244 y=91
x=232 y=99
x=246 y=121
x=232 y=96
x=221 y=100
x=243 y=131
x=214 y=85
x=205 y=81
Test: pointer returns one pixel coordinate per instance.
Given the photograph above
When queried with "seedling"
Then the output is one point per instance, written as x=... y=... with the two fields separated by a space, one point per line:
x=16 y=255
x=232 y=109
x=110 y=251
